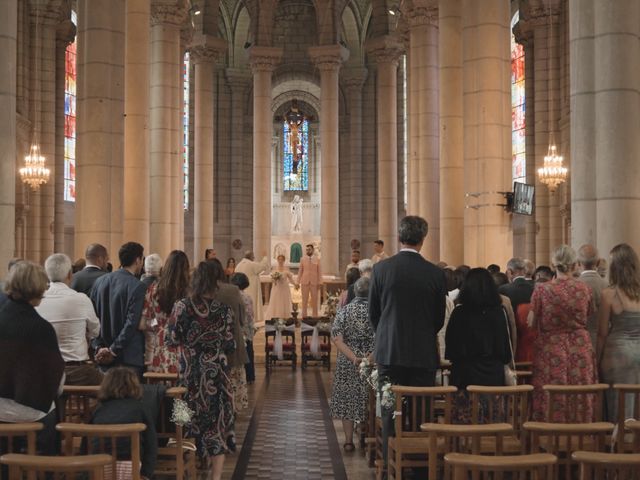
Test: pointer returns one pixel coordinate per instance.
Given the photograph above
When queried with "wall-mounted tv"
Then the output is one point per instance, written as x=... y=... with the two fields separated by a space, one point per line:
x=523 y=198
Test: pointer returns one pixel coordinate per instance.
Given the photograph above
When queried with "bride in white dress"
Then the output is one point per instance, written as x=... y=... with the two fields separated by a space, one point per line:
x=280 y=298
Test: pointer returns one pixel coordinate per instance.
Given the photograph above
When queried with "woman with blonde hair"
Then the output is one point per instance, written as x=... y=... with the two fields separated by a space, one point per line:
x=562 y=352
x=618 y=347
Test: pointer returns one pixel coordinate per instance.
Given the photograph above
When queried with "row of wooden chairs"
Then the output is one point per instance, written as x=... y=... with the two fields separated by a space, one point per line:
x=289 y=347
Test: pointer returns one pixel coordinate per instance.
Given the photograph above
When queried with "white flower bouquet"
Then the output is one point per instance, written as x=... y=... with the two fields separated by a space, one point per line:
x=181 y=414
x=276 y=275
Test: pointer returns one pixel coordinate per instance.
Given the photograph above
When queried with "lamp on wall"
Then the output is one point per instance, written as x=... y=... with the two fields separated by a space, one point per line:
x=552 y=173
x=35 y=172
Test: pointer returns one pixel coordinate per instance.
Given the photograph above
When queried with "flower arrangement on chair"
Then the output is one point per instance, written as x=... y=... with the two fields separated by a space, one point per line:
x=332 y=304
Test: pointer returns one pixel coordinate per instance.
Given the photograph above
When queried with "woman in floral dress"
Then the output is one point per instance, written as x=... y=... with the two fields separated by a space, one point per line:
x=161 y=295
x=354 y=337
x=204 y=328
x=563 y=353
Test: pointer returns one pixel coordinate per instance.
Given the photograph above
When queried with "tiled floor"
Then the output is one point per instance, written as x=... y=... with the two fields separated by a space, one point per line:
x=287 y=433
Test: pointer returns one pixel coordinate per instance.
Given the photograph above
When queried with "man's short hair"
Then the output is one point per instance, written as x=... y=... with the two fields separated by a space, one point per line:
x=379 y=242
x=365 y=265
x=57 y=267
x=153 y=263
x=207 y=252
x=355 y=251
x=412 y=230
x=310 y=245
x=129 y=253
x=493 y=268
x=588 y=257
x=516 y=264
x=95 y=251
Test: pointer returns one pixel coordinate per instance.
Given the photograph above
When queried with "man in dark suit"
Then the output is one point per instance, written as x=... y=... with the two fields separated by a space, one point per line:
x=406 y=309
x=97 y=258
x=118 y=298
x=519 y=289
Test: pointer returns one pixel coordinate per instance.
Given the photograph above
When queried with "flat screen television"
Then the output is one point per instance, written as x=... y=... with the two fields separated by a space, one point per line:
x=523 y=198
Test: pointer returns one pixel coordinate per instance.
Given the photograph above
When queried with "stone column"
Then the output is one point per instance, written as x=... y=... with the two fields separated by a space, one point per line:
x=424 y=41
x=167 y=17
x=386 y=51
x=487 y=130
x=8 y=47
x=100 y=120
x=263 y=61
x=136 y=123
x=617 y=122
x=242 y=172
x=353 y=79
x=204 y=53
x=451 y=133
x=328 y=59
x=413 y=82
x=65 y=33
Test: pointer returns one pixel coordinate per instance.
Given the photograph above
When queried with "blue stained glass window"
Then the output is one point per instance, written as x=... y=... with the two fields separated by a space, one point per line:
x=296 y=163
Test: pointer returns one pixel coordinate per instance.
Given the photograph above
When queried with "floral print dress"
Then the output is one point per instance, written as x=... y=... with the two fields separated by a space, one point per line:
x=205 y=331
x=160 y=355
x=563 y=354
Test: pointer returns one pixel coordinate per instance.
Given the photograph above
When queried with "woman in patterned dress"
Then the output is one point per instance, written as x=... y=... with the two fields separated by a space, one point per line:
x=354 y=338
x=563 y=353
x=619 y=327
x=162 y=294
x=204 y=328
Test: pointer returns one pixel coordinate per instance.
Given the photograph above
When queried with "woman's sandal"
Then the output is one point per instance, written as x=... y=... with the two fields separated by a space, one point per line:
x=349 y=447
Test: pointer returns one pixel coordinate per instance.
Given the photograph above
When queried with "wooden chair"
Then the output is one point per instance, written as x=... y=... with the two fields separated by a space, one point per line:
x=633 y=426
x=370 y=429
x=176 y=454
x=446 y=438
x=624 y=393
x=603 y=466
x=288 y=346
x=324 y=338
x=571 y=401
x=103 y=439
x=415 y=406
x=10 y=432
x=480 y=467
x=79 y=403
x=502 y=404
x=525 y=366
x=562 y=439
x=165 y=378
x=38 y=466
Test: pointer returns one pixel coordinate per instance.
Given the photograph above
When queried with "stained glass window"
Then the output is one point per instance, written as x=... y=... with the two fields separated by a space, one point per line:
x=518 y=155
x=185 y=131
x=296 y=155
x=70 y=119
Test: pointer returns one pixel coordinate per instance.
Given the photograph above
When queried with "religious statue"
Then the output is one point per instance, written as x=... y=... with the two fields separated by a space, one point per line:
x=296 y=214
x=295 y=119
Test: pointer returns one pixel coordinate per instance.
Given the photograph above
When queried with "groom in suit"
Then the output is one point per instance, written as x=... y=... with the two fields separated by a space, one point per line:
x=310 y=279
x=406 y=309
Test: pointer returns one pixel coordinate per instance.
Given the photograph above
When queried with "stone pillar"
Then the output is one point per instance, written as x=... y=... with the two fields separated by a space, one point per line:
x=487 y=130
x=353 y=79
x=8 y=45
x=451 y=133
x=423 y=31
x=617 y=122
x=100 y=120
x=167 y=17
x=242 y=172
x=263 y=61
x=386 y=51
x=204 y=54
x=136 y=123
x=328 y=59
x=65 y=33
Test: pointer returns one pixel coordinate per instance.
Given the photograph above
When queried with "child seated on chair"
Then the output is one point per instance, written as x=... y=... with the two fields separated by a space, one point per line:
x=120 y=402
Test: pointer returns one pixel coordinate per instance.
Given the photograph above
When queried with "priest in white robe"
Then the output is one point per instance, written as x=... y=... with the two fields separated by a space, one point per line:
x=252 y=270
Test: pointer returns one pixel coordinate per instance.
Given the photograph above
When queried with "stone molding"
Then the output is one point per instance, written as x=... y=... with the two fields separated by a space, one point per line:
x=238 y=79
x=46 y=12
x=328 y=57
x=422 y=16
x=65 y=32
x=386 y=49
x=264 y=59
x=168 y=12
x=354 y=77
x=207 y=48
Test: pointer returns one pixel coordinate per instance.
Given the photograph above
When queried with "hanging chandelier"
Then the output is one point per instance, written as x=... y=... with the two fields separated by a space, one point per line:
x=35 y=172
x=552 y=173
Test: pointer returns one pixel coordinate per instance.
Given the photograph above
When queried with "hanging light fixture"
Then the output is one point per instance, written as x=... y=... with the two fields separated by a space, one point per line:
x=552 y=173
x=35 y=171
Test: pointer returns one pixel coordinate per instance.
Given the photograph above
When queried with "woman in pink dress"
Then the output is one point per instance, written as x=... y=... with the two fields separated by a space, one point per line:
x=171 y=286
x=280 y=298
x=562 y=352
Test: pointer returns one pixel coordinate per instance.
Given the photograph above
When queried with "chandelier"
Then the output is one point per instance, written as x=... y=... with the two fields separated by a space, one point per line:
x=34 y=173
x=552 y=173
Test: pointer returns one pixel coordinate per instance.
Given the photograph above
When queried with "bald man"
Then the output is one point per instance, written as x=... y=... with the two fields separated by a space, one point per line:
x=588 y=261
x=97 y=258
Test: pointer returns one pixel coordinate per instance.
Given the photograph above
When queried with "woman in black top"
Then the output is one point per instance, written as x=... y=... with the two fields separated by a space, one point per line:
x=477 y=338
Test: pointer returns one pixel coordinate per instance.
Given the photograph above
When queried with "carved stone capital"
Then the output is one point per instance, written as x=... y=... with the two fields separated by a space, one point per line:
x=264 y=59
x=169 y=12
x=354 y=78
x=328 y=57
x=65 y=33
x=45 y=12
x=420 y=16
x=207 y=48
x=386 y=49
